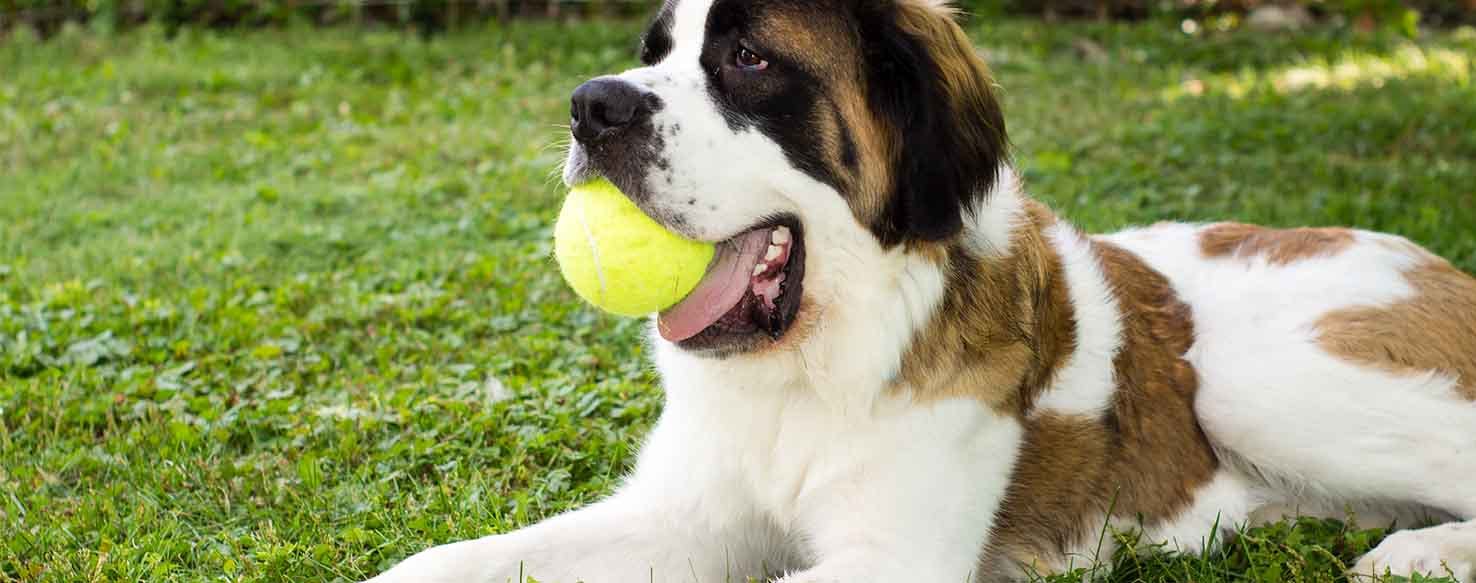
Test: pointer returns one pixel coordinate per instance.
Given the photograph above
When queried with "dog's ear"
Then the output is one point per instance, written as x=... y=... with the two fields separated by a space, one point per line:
x=925 y=80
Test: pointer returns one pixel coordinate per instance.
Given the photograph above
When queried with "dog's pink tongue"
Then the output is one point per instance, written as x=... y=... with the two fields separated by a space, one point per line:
x=722 y=288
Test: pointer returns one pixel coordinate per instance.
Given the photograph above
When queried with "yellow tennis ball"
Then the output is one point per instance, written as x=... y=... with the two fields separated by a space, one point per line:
x=619 y=259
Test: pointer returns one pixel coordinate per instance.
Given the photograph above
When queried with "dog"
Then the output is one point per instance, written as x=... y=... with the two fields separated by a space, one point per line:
x=901 y=368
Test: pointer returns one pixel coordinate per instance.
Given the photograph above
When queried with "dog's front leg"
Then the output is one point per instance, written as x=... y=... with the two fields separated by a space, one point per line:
x=676 y=519
x=941 y=543
x=917 y=509
x=632 y=537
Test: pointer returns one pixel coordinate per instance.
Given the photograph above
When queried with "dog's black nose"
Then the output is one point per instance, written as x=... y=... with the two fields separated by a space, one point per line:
x=603 y=106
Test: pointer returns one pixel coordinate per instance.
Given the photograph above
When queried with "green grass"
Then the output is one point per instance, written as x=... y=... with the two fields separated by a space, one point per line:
x=278 y=306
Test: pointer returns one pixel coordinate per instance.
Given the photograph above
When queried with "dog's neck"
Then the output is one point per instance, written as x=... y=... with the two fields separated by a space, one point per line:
x=1004 y=324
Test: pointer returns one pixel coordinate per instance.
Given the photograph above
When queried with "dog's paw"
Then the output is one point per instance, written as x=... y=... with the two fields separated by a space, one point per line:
x=1441 y=551
x=463 y=562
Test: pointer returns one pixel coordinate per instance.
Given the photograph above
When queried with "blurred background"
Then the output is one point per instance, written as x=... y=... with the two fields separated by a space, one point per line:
x=47 y=15
x=277 y=300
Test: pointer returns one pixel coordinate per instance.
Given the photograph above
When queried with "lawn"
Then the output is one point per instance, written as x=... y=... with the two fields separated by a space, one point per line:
x=278 y=305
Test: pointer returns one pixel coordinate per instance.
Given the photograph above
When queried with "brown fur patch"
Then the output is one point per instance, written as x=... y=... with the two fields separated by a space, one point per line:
x=1003 y=327
x=1142 y=461
x=871 y=179
x=1277 y=246
x=1434 y=331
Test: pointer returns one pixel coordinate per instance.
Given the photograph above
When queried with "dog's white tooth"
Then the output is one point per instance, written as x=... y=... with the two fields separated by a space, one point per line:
x=773 y=253
x=780 y=236
x=759 y=269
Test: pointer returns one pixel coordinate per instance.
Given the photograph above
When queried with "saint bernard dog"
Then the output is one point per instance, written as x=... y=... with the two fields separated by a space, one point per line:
x=901 y=368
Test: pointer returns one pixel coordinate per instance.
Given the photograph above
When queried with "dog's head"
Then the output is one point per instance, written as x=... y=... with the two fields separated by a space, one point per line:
x=806 y=136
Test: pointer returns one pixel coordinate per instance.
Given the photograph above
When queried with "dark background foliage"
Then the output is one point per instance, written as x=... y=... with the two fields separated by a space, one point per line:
x=1438 y=12
x=434 y=15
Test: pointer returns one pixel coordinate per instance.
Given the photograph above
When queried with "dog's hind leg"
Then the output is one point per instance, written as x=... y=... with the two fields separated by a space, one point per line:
x=1314 y=427
x=1442 y=550
x=1318 y=429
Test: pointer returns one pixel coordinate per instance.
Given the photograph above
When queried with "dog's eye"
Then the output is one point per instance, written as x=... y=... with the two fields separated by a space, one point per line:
x=749 y=60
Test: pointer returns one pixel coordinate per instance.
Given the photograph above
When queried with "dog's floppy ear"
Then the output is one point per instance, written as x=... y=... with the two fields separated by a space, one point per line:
x=925 y=80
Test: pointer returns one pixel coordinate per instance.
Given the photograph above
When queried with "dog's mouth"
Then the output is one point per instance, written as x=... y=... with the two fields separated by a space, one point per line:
x=752 y=288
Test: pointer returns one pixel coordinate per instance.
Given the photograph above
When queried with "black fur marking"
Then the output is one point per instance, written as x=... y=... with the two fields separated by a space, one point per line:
x=951 y=145
x=657 y=41
x=849 y=157
x=780 y=102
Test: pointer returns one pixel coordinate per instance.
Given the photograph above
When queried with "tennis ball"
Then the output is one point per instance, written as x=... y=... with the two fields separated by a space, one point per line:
x=619 y=259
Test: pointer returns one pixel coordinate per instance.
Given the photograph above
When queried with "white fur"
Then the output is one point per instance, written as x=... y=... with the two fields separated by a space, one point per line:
x=997 y=216
x=1085 y=385
x=1220 y=506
